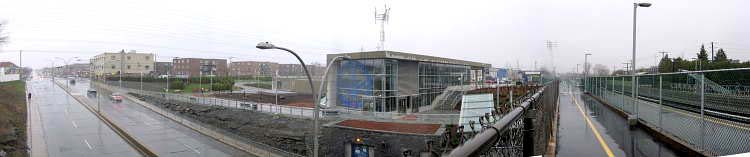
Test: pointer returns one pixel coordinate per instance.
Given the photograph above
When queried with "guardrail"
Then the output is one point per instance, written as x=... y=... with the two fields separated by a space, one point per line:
x=694 y=107
x=523 y=131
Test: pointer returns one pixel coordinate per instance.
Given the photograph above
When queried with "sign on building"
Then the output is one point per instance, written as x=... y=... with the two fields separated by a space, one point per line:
x=473 y=107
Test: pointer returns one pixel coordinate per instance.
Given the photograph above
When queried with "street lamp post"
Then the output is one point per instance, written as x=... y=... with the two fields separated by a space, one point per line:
x=325 y=76
x=585 y=70
x=267 y=45
x=633 y=66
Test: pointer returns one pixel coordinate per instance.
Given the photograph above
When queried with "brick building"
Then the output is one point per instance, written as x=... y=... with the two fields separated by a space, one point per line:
x=252 y=68
x=191 y=67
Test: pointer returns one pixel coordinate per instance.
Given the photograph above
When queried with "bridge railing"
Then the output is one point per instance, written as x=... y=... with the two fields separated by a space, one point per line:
x=523 y=131
x=709 y=110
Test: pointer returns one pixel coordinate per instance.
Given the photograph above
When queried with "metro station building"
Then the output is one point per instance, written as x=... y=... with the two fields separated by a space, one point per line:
x=389 y=81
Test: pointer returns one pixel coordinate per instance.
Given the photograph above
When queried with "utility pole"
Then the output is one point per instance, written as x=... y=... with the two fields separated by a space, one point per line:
x=551 y=45
x=122 y=63
x=20 y=64
x=712 y=51
x=383 y=18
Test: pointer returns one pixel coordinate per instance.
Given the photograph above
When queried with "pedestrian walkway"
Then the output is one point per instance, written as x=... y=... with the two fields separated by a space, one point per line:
x=578 y=133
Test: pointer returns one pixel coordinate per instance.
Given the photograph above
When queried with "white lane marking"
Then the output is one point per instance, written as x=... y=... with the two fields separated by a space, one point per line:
x=195 y=150
x=87 y=143
x=74 y=123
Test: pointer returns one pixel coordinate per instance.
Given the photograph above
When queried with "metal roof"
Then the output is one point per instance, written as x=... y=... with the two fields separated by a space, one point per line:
x=406 y=56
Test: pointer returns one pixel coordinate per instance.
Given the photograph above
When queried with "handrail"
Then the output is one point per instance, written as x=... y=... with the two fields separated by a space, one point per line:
x=682 y=72
x=485 y=139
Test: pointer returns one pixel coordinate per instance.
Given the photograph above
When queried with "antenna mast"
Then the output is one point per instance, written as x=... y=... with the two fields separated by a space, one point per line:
x=383 y=18
x=551 y=45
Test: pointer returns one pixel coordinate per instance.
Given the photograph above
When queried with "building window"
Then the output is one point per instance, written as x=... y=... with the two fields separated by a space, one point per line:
x=147 y=57
x=113 y=67
x=113 y=57
x=128 y=66
x=128 y=57
x=146 y=67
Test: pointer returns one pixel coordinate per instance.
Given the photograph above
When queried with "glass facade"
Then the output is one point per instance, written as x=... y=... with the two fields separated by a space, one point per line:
x=435 y=77
x=368 y=84
x=372 y=84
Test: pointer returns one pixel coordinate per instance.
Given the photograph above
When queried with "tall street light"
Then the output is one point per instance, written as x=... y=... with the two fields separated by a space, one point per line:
x=585 y=70
x=267 y=45
x=633 y=65
x=325 y=76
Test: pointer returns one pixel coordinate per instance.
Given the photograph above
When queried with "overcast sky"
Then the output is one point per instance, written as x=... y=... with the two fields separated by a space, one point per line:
x=500 y=32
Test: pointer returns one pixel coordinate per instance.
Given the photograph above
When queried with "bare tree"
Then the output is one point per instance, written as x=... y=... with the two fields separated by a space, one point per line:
x=3 y=37
x=600 y=70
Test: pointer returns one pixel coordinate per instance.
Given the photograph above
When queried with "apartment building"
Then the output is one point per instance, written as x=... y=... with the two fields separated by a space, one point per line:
x=129 y=63
x=195 y=67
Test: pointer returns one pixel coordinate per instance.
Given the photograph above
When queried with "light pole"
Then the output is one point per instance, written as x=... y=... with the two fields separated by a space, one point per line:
x=267 y=45
x=325 y=76
x=633 y=65
x=229 y=66
x=585 y=70
x=698 y=66
x=67 y=67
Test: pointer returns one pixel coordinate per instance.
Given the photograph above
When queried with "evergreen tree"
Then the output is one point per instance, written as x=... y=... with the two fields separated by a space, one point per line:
x=721 y=56
x=702 y=55
x=665 y=65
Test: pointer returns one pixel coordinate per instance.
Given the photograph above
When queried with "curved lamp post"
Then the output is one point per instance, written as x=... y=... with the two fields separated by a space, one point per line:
x=325 y=76
x=267 y=45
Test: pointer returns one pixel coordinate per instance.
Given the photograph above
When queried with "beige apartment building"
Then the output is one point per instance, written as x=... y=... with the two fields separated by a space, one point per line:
x=131 y=63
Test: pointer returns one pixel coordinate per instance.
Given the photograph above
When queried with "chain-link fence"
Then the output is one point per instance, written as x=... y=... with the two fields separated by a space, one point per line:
x=523 y=131
x=707 y=109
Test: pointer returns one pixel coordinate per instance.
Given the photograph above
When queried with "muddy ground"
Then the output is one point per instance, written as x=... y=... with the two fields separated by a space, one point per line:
x=285 y=133
x=295 y=99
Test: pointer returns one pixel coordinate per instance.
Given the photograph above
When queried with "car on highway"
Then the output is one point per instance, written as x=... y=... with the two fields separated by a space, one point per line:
x=91 y=92
x=116 y=97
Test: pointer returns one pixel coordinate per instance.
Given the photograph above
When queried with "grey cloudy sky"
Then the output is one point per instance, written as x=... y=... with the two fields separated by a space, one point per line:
x=500 y=32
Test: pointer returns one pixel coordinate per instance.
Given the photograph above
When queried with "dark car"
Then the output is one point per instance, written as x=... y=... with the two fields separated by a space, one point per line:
x=91 y=92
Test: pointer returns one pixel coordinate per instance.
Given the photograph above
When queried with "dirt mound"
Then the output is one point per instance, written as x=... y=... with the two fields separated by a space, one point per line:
x=285 y=133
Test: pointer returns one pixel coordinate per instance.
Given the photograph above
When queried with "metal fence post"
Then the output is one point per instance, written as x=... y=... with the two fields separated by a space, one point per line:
x=661 y=105
x=703 y=119
x=528 y=134
x=636 y=83
x=622 y=95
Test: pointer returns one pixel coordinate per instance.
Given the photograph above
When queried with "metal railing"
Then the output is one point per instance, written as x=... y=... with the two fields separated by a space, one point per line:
x=709 y=110
x=523 y=131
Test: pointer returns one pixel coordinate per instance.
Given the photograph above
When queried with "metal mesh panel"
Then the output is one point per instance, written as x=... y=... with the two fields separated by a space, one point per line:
x=707 y=109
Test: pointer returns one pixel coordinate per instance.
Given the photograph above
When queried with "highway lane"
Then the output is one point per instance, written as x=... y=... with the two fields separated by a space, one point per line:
x=160 y=134
x=63 y=127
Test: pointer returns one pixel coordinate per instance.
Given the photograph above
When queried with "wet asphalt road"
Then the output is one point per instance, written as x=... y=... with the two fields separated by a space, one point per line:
x=63 y=127
x=160 y=134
